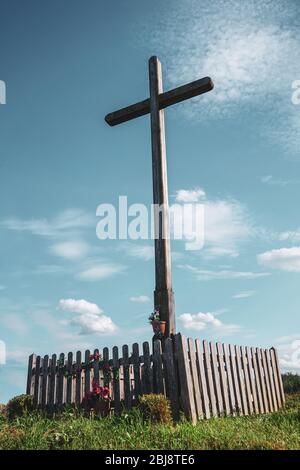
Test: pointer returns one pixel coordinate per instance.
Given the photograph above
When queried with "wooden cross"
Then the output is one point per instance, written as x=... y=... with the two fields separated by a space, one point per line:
x=163 y=294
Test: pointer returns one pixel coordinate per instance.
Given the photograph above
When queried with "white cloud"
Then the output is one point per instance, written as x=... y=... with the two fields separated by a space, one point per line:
x=270 y=180
x=207 y=275
x=244 y=294
x=140 y=298
x=70 y=250
x=144 y=252
x=285 y=259
x=100 y=271
x=65 y=222
x=227 y=225
x=79 y=306
x=90 y=324
x=288 y=348
x=247 y=49
x=190 y=195
x=201 y=321
x=290 y=235
x=90 y=319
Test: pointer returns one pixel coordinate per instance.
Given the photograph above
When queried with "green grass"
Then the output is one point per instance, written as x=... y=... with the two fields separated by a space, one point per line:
x=279 y=430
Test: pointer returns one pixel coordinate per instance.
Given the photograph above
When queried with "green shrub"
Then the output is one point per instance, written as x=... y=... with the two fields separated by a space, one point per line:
x=291 y=382
x=19 y=406
x=156 y=408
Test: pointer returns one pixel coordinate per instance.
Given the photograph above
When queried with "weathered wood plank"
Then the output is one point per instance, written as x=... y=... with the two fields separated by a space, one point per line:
x=247 y=379
x=223 y=379
x=87 y=372
x=30 y=374
x=252 y=380
x=37 y=379
x=158 y=377
x=262 y=380
x=96 y=366
x=126 y=366
x=267 y=380
x=185 y=378
x=171 y=377
x=275 y=378
x=216 y=379
x=60 y=380
x=52 y=380
x=136 y=370
x=165 y=99
x=147 y=368
x=279 y=377
x=202 y=380
x=257 y=381
x=241 y=379
x=69 y=378
x=116 y=380
x=210 y=383
x=229 y=376
x=78 y=396
x=195 y=379
x=44 y=397
x=271 y=379
x=235 y=380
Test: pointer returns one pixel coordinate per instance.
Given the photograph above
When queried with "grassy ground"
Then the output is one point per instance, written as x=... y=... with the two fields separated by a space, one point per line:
x=275 y=431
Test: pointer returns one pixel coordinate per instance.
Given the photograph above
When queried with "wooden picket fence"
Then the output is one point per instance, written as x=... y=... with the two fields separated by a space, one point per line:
x=201 y=379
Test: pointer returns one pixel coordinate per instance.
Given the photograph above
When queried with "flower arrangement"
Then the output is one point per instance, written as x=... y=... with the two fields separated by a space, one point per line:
x=98 y=399
x=158 y=325
x=98 y=393
x=154 y=316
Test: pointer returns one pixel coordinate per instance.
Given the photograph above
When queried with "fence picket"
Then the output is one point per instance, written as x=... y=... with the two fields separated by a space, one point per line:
x=266 y=378
x=252 y=380
x=37 y=379
x=223 y=378
x=30 y=374
x=257 y=382
x=96 y=366
x=262 y=380
x=184 y=371
x=147 y=368
x=78 y=396
x=241 y=379
x=210 y=383
x=235 y=380
x=44 y=396
x=202 y=380
x=158 y=379
x=279 y=377
x=136 y=370
x=229 y=375
x=171 y=377
x=247 y=379
x=126 y=373
x=116 y=380
x=216 y=379
x=271 y=379
x=52 y=380
x=195 y=379
x=60 y=380
x=275 y=378
x=87 y=372
x=69 y=378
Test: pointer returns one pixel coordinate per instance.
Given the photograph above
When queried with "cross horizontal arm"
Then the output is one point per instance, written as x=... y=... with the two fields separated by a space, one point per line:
x=166 y=99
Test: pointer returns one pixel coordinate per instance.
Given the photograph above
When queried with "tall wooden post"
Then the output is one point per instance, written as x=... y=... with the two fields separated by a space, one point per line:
x=163 y=294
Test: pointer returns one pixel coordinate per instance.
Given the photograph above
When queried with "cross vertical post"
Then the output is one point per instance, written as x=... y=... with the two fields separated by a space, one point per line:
x=158 y=101
x=163 y=294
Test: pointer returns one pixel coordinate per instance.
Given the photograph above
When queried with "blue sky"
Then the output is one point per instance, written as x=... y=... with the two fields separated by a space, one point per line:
x=68 y=63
